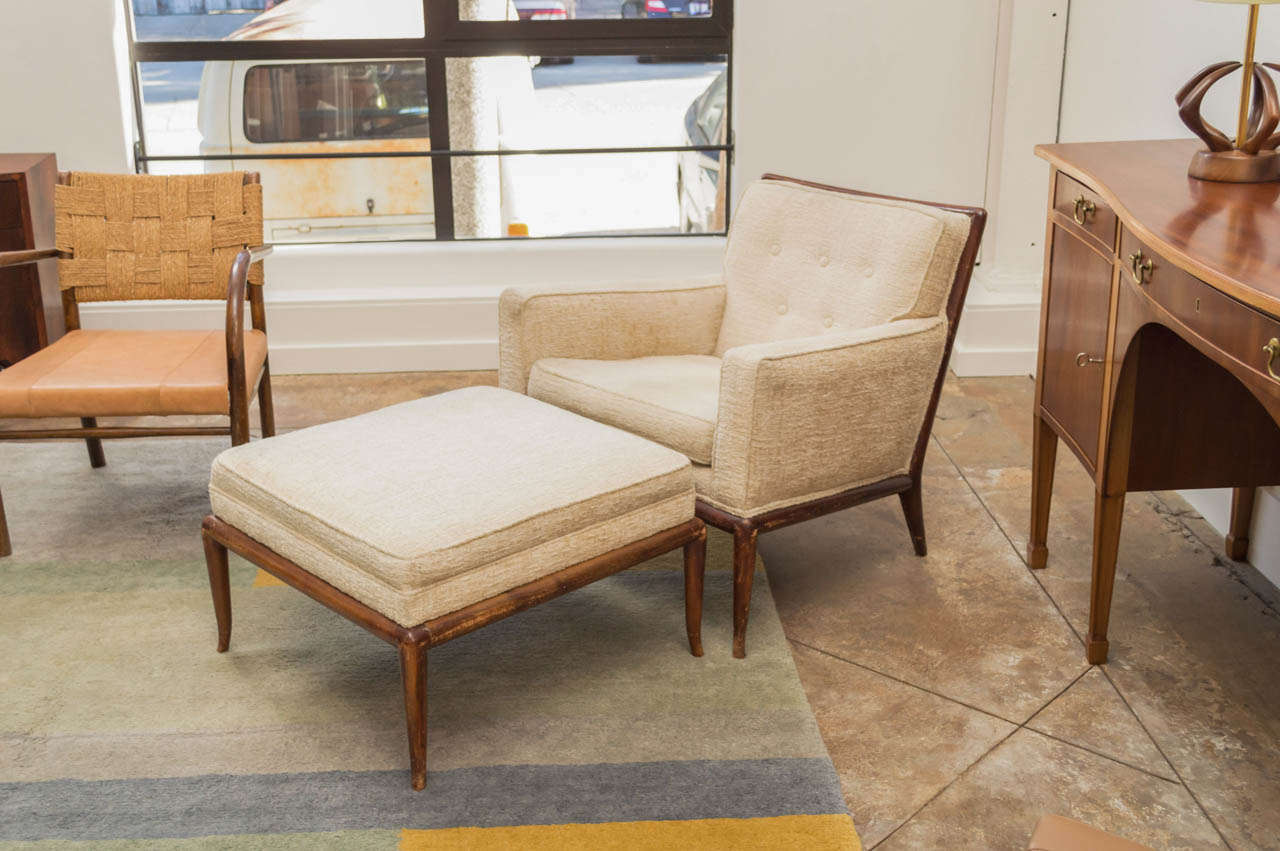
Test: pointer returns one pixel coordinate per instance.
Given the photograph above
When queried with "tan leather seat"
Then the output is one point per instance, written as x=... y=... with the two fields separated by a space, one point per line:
x=1056 y=833
x=127 y=373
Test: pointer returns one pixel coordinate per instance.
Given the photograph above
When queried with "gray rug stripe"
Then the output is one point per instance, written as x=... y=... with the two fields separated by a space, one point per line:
x=477 y=797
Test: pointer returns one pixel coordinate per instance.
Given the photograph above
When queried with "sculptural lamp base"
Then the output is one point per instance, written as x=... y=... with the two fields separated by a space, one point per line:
x=1236 y=166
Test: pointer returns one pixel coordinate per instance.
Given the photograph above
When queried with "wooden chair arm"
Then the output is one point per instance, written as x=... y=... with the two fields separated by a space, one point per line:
x=19 y=258
x=237 y=385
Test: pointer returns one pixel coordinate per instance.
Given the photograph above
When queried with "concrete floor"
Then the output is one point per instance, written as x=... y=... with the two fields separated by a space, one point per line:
x=953 y=692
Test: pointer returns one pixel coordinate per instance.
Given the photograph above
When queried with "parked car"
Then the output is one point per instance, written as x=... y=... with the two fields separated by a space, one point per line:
x=547 y=10
x=666 y=8
x=698 y=172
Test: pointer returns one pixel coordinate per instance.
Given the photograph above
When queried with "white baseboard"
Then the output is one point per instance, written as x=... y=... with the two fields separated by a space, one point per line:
x=1000 y=326
x=328 y=334
x=968 y=362
x=1264 y=537
x=445 y=355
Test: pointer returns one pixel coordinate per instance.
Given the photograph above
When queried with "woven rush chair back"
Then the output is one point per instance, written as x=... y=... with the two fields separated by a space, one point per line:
x=141 y=236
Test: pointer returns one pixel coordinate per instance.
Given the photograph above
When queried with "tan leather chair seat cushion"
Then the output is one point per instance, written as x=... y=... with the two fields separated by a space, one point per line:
x=127 y=373
x=1057 y=833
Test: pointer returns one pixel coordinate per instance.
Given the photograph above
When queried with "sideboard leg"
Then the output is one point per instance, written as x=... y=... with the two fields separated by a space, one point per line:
x=1044 y=453
x=1108 y=512
x=1241 y=520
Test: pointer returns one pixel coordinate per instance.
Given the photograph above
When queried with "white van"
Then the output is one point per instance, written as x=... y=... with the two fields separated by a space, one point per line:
x=342 y=106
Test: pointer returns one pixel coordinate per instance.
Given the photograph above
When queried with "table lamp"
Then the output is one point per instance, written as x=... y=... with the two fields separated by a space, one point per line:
x=1252 y=156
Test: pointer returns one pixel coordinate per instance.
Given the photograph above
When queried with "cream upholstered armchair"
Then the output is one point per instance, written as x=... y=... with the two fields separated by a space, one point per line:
x=803 y=380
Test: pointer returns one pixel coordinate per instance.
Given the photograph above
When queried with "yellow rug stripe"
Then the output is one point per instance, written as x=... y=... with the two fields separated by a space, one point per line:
x=803 y=833
x=265 y=580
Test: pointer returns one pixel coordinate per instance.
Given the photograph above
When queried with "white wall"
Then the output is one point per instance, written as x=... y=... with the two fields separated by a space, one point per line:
x=890 y=97
x=997 y=335
x=66 y=83
x=1127 y=58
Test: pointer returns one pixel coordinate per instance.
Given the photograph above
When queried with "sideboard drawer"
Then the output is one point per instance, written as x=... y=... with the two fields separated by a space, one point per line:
x=1086 y=208
x=1226 y=324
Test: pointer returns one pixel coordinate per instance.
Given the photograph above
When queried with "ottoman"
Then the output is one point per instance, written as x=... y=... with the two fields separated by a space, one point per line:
x=426 y=520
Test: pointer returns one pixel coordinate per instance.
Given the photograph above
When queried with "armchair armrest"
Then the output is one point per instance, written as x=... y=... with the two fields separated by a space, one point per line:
x=609 y=323
x=19 y=258
x=805 y=418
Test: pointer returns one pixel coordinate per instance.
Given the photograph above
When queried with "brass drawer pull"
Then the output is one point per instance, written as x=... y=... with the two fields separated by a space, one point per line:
x=1084 y=209
x=1083 y=358
x=1141 y=267
x=1272 y=350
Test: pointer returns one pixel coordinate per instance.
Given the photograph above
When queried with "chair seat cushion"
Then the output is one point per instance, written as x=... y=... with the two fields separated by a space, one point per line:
x=422 y=508
x=672 y=400
x=127 y=373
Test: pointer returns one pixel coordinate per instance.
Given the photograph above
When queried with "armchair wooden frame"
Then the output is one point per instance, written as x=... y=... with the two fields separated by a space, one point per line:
x=746 y=530
x=239 y=290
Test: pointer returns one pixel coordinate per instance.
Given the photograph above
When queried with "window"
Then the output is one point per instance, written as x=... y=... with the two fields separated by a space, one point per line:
x=328 y=101
x=446 y=119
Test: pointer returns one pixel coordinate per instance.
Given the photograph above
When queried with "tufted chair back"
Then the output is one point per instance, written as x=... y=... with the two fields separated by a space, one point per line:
x=804 y=261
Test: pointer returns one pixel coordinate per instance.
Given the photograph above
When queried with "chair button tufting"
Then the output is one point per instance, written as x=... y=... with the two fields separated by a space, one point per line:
x=782 y=308
x=775 y=249
x=868 y=271
x=824 y=260
x=828 y=321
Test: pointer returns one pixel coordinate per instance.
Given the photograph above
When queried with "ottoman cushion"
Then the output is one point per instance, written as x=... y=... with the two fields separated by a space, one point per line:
x=425 y=507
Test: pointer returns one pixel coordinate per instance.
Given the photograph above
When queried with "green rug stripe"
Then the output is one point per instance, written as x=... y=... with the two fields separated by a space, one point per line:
x=488 y=796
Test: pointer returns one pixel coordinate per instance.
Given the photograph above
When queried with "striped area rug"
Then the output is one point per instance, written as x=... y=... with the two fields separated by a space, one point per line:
x=583 y=723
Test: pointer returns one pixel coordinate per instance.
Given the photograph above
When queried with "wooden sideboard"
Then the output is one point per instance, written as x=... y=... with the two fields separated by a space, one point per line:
x=30 y=304
x=1159 y=362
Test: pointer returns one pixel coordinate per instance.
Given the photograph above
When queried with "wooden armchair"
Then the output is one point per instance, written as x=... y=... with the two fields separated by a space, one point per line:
x=126 y=237
x=803 y=380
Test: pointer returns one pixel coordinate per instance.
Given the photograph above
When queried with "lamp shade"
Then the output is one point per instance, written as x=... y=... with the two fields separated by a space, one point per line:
x=1245 y=2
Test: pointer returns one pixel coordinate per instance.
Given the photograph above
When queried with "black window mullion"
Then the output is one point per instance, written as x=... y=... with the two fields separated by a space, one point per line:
x=441 y=167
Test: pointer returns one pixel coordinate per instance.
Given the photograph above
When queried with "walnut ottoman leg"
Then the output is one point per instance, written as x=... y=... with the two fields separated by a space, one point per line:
x=6 y=547
x=413 y=671
x=215 y=556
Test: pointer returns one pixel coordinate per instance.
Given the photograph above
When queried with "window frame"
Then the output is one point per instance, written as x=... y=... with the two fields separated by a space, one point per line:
x=448 y=35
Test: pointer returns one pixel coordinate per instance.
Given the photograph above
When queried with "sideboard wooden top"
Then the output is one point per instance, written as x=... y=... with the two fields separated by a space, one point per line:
x=1226 y=234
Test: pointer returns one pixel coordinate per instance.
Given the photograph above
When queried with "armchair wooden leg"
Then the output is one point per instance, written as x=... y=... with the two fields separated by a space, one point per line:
x=266 y=410
x=97 y=458
x=413 y=671
x=6 y=546
x=913 y=510
x=744 y=569
x=695 y=563
x=215 y=556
